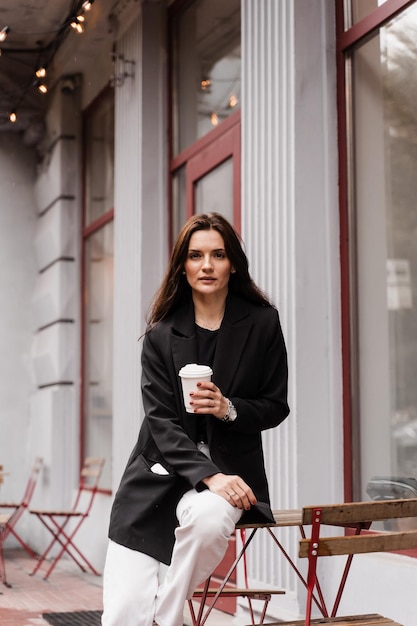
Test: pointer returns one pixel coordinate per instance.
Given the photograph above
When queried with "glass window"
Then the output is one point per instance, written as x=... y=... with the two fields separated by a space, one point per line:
x=362 y=8
x=98 y=343
x=97 y=322
x=99 y=159
x=214 y=191
x=384 y=91
x=206 y=68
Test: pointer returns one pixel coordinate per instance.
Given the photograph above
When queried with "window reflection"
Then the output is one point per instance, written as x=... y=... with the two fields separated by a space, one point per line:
x=98 y=347
x=206 y=68
x=362 y=8
x=385 y=165
x=99 y=160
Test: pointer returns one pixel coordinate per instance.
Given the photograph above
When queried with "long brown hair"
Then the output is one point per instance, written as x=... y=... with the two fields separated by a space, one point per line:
x=175 y=290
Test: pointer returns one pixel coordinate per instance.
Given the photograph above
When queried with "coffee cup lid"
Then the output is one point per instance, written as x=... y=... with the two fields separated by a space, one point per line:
x=192 y=370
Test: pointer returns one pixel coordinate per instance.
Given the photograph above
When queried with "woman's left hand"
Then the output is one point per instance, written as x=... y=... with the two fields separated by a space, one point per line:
x=209 y=399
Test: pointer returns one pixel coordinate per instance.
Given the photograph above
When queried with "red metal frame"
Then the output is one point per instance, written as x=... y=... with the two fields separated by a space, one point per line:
x=312 y=581
x=201 y=617
x=369 y=24
x=207 y=142
x=56 y=522
x=87 y=231
x=7 y=526
x=226 y=146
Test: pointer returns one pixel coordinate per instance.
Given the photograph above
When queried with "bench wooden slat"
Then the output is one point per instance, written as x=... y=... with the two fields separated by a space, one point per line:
x=357 y=512
x=352 y=620
x=360 y=544
x=290 y=517
x=257 y=594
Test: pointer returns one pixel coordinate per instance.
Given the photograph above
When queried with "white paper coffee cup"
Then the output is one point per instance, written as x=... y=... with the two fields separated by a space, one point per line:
x=190 y=375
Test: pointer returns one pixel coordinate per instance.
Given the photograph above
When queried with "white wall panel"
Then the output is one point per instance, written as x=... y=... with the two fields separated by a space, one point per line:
x=140 y=214
x=53 y=354
x=59 y=174
x=290 y=227
x=55 y=294
x=55 y=233
x=268 y=232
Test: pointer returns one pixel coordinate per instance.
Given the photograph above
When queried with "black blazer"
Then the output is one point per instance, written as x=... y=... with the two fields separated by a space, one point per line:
x=250 y=368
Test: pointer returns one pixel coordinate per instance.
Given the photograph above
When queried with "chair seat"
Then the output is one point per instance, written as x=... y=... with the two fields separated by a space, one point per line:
x=255 y=594
x=351 y=620
x=57 y=513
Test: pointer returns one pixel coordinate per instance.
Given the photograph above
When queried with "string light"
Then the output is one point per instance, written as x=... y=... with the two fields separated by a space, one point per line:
x=41 y=72
x=233 y=101
x=205 y=84
x=77 y=25
x=76 y=20
x=42 y=87
x=214 y=119
x=4 y=32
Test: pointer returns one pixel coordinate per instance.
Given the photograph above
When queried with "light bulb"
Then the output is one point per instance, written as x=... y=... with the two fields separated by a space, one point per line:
x=214 y=119
x=76 y=25
x=43 y=88
x=41 y=72
x=13 y=117
x=87 y=5
x=205 y=84
x=4 y=32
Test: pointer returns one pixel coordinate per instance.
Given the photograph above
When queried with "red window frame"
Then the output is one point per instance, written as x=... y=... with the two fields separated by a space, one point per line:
x=86 y=232
x=346 y=40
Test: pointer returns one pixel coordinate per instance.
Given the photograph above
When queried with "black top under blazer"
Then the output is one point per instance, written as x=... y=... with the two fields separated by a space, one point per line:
x=250 y=368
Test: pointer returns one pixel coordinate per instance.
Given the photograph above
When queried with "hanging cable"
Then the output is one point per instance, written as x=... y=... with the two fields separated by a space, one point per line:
x=75 y=20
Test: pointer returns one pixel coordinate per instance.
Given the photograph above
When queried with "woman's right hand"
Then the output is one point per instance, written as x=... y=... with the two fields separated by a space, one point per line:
x=231 y=488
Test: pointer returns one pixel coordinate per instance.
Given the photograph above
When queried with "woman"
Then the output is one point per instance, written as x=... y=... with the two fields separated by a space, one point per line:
x=192 y=476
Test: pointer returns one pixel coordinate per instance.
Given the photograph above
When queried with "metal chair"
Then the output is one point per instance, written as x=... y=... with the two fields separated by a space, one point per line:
x=9 y=520
x=56 y=521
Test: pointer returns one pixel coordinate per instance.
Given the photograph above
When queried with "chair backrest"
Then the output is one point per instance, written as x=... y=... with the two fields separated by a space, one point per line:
x=1 y=474
x=19 y=507
x=32 y=480
x=90 y=475
x=358 y=515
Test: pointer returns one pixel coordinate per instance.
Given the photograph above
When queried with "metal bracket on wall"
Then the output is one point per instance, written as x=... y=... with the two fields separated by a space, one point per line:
x=123 y=68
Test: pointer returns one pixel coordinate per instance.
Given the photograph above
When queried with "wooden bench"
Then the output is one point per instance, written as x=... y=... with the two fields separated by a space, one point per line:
x=354 y=517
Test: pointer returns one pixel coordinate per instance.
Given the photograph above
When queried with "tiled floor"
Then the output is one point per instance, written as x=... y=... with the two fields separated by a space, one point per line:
x=68 y=589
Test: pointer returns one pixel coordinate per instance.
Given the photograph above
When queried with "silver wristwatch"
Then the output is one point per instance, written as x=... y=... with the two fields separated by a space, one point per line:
x=231 y=414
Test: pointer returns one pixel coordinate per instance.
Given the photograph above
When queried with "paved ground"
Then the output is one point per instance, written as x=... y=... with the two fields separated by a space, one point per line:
x=67 y=589
x=29 y=596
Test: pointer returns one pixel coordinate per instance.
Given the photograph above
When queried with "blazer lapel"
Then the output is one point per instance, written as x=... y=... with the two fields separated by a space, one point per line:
x=184 y=341
x=231 y=342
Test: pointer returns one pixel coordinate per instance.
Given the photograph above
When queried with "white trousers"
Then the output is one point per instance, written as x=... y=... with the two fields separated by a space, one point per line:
x=137 y=589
